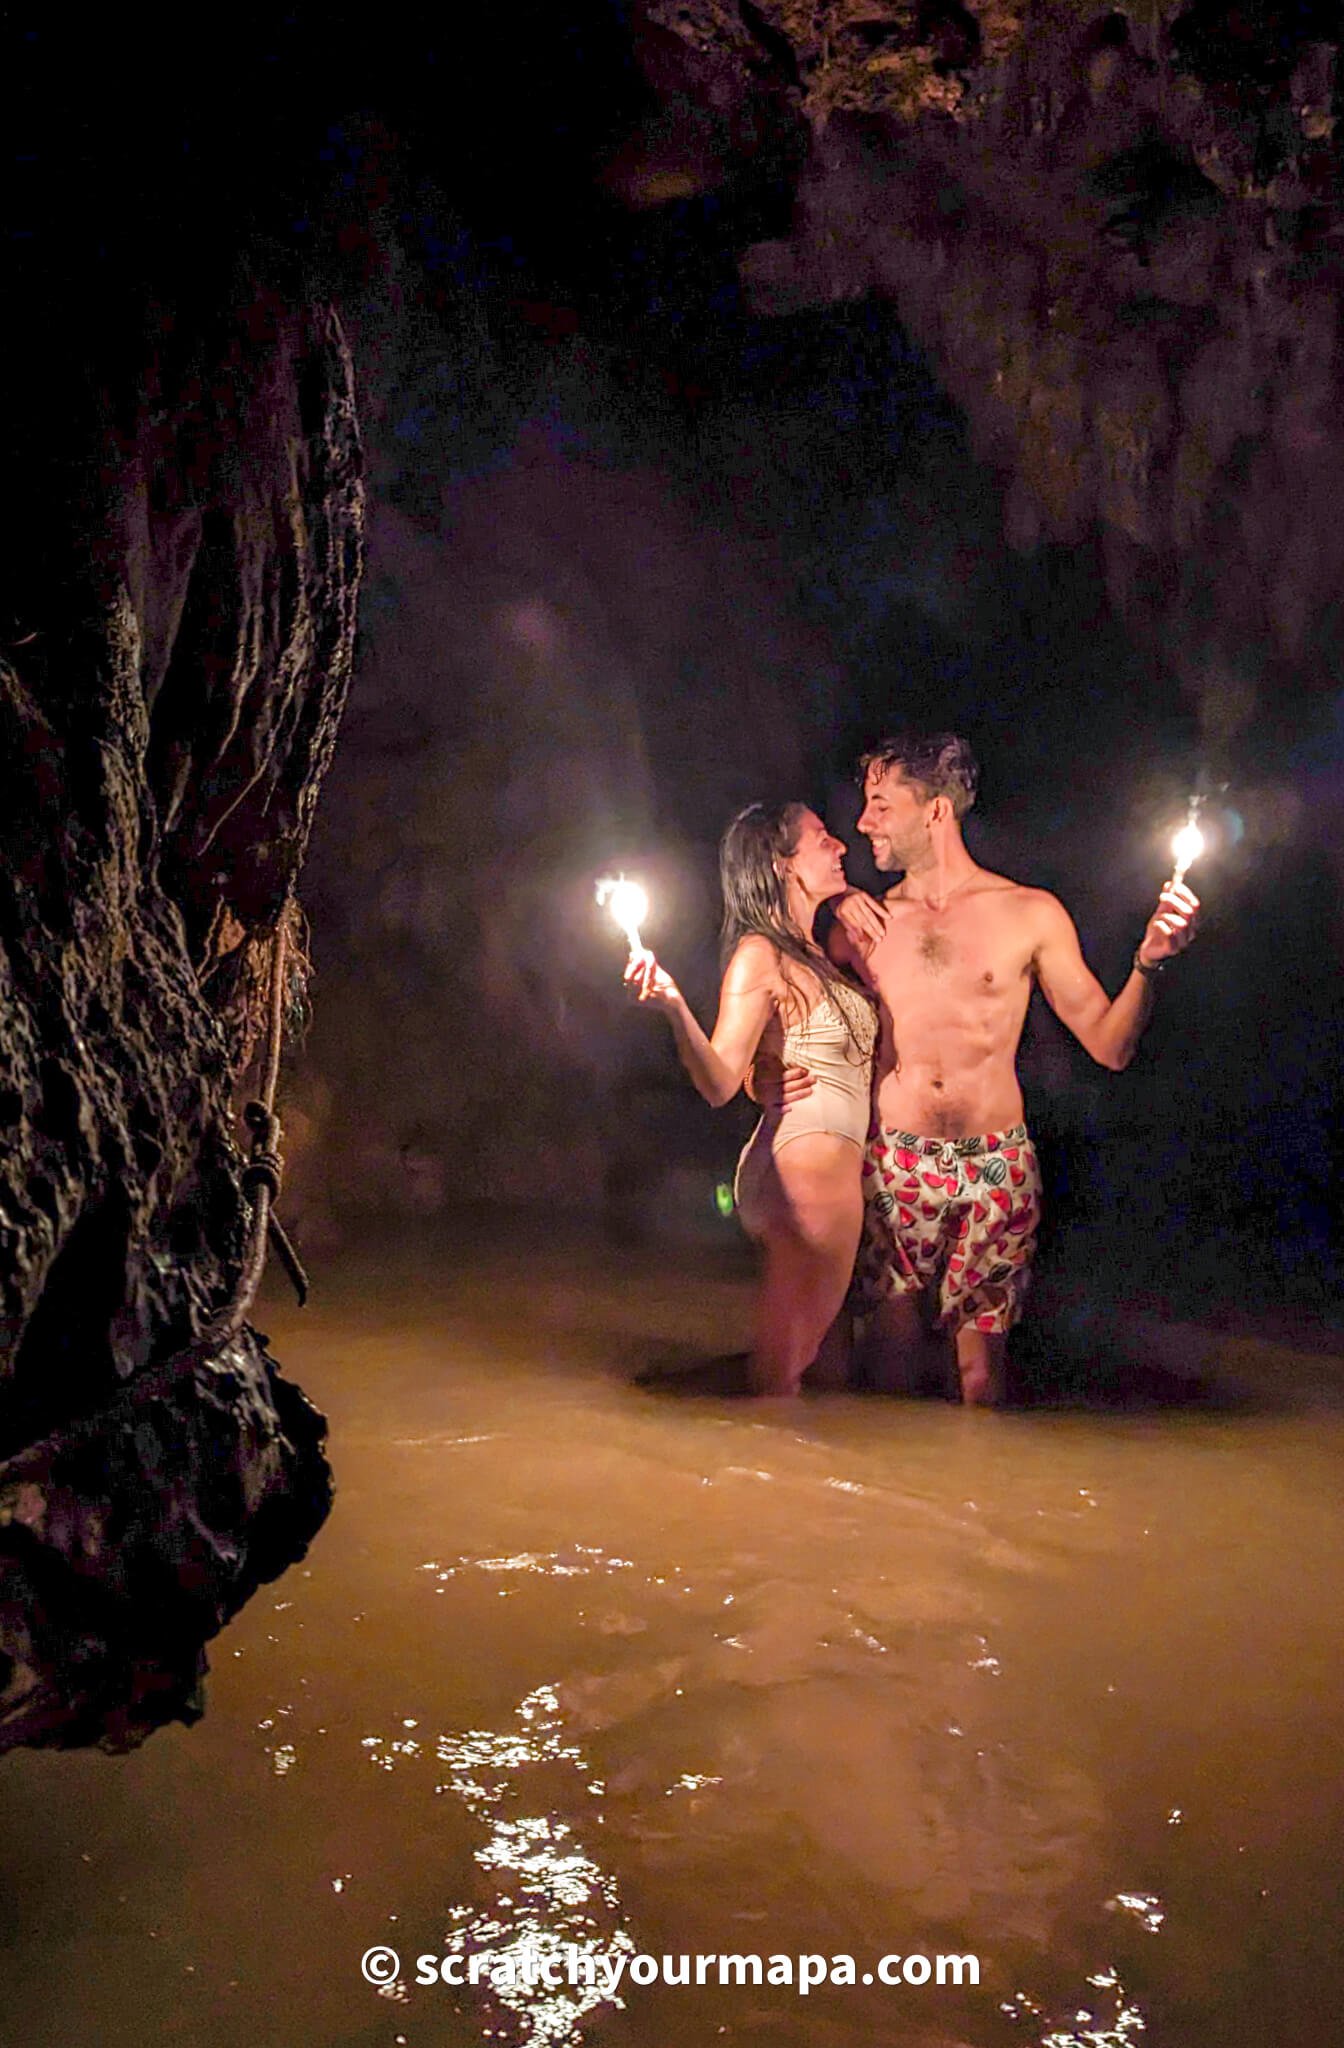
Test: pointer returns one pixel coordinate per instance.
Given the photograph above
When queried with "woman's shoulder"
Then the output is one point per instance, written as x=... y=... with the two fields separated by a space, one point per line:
x=754 y=960
x=757 y=949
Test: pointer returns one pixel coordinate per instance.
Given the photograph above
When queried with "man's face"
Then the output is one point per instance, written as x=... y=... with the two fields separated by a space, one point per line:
x=894 y=819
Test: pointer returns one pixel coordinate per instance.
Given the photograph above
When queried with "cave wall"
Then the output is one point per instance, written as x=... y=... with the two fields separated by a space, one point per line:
x=1119 y=233
x=179 y=600
x=571 y=669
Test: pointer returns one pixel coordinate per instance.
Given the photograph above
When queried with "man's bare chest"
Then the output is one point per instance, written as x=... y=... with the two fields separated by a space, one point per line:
x=973 y=955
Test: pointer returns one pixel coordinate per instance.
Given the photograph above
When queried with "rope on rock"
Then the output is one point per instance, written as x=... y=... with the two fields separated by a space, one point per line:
x=264 y=1171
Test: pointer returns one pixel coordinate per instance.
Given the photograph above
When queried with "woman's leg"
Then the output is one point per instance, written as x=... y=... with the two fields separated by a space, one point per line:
x=833 y=1367
x=810 y=1233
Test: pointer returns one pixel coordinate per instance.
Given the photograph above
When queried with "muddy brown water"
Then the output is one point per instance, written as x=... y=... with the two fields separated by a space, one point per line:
x=581 y=1663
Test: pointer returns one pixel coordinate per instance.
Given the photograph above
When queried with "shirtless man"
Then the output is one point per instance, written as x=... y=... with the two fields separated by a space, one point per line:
x=950 y=1175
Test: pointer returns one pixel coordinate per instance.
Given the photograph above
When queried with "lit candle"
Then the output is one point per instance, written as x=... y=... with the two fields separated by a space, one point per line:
x=629 y=905
x=1186 y=847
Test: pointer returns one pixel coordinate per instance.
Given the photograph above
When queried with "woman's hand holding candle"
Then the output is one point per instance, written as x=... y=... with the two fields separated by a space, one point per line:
x=651 y=983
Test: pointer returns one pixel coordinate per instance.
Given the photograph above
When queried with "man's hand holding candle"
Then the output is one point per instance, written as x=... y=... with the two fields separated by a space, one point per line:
x=1170 y=928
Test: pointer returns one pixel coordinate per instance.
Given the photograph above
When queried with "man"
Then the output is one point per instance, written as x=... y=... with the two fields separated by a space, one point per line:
x=951 y=1181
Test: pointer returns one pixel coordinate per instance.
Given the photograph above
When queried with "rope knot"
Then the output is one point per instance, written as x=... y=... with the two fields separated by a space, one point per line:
x=264 y=1125
x=263 y=1169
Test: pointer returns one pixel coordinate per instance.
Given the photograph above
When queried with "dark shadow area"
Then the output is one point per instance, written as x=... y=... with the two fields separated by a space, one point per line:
x=1095 y=1359
x=1056 y=1361
x=724 y=1378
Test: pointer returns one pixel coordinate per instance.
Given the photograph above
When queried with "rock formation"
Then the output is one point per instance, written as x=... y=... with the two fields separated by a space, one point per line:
x=1119 y=233
x=176 y=633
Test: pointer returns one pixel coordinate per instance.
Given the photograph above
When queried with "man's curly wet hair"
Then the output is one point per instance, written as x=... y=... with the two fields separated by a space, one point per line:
x=938 y=764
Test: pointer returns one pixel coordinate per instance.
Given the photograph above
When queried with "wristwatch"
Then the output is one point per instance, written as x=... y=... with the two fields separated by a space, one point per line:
x=1147 y=968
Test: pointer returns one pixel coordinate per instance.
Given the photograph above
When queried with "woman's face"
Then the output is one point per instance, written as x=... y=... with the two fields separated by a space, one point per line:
x=817 y=861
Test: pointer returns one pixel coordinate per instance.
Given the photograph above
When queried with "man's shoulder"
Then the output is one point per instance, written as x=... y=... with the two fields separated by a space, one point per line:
x=1023 y=905
x=1016 y=895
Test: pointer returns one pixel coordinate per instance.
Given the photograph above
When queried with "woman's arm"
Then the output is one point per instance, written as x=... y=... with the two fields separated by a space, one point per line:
x=747 y=1000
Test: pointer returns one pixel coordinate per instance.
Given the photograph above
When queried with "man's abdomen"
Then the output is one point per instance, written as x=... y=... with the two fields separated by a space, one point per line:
x=941 y=1103
x=948 y=1065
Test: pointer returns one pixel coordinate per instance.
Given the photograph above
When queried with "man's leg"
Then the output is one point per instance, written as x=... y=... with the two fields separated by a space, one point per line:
x=998 y=1241
x=901 y=1270
x=900 y=1354
x=981 y=1367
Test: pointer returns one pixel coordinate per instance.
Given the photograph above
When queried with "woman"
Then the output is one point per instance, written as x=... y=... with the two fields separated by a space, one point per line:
x=798 y=1181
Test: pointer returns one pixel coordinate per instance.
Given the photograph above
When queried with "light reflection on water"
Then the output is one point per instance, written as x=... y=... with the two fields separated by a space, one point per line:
x=561 y=1907
x=559 y=1903
x=1118 y=2027
x=578 y=1664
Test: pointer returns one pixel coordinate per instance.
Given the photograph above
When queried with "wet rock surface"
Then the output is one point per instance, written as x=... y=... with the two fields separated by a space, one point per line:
x=179 y=623
x=127 y=1539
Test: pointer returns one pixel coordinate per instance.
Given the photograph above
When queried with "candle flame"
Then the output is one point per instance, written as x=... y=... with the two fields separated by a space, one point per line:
x=629 y=905
x=1186 y=847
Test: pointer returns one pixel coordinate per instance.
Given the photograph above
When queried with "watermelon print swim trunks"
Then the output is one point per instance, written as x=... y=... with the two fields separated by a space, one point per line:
x=955 y=1215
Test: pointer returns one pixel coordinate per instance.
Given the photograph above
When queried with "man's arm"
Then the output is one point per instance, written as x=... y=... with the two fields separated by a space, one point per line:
x=1109 y=1029
x=842 y=951
x=860 y=919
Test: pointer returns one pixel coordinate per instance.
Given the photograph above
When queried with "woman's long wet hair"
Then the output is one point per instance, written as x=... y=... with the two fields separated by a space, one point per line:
x=752 y=853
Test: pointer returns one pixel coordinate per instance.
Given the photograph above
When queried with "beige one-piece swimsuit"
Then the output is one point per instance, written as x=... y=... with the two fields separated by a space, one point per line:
x=834 y=1042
